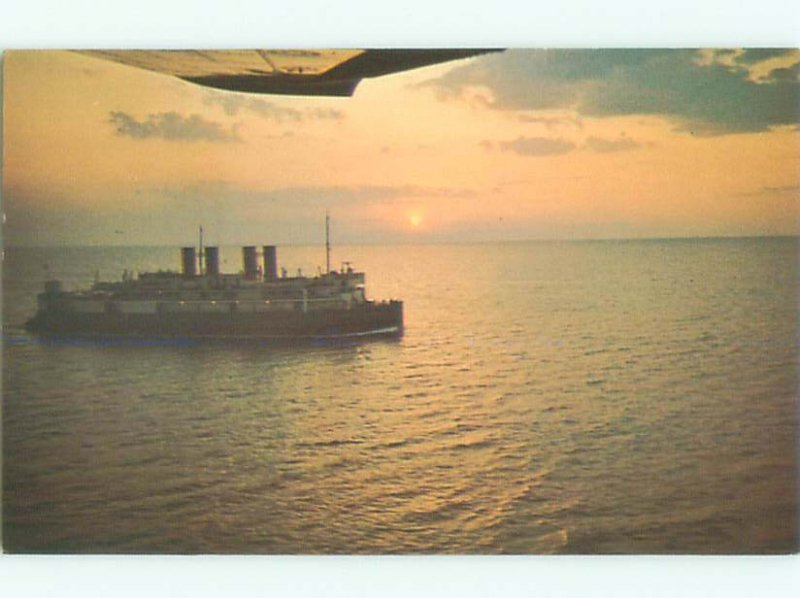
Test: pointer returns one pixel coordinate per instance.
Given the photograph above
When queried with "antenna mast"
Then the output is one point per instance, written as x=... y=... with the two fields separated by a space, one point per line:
x=200 y=256
x=327 y=242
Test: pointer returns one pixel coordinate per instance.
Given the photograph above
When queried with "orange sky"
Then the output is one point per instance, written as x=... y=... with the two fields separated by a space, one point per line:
x=451 y=152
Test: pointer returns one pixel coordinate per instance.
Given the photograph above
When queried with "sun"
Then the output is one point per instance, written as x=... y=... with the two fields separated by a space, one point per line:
x=415 y=219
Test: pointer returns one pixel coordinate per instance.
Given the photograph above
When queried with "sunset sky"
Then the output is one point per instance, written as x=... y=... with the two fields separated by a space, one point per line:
x=523 y=144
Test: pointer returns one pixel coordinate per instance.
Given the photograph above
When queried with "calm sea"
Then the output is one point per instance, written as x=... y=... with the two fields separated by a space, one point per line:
x=575 y=397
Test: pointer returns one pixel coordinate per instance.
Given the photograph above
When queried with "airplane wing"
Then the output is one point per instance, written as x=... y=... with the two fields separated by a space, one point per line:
x=284 y=72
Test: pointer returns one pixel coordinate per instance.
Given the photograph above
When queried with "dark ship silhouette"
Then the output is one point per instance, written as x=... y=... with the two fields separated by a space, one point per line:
x=201 y=302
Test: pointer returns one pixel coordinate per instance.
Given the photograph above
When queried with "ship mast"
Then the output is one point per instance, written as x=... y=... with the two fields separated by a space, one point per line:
x=327 y=242
x=200 y=256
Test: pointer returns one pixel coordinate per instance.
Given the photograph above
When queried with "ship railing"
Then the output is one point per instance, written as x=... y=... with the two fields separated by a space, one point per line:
x=312 y=303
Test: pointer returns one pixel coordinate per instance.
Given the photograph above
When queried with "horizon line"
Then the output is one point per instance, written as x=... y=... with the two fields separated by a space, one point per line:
x=437 y=243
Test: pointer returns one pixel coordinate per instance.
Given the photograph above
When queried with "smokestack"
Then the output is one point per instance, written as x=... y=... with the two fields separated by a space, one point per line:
x=189 y=265
x=270 y=263
x=250 y=262
x=212 y=261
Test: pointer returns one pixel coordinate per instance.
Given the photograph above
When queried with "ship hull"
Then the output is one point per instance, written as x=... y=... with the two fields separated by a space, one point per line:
x=364 y=321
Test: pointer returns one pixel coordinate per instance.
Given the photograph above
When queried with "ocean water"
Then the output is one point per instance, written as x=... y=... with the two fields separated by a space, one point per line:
x=546 y=398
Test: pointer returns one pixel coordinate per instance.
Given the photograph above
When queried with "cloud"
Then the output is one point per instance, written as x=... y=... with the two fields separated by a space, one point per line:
x=611 y=145
x=782 y=189
x=544 y=146
x=284 y=214
x=325 y=113
x=787 y=74
x=233 y=105
x=758 y=65
x=754 y=55
x=705 y=92
x=537 y=146
x=368 y=193
x=772 y=190
x=172 y=127
x=551 y=122
x=310 y=196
